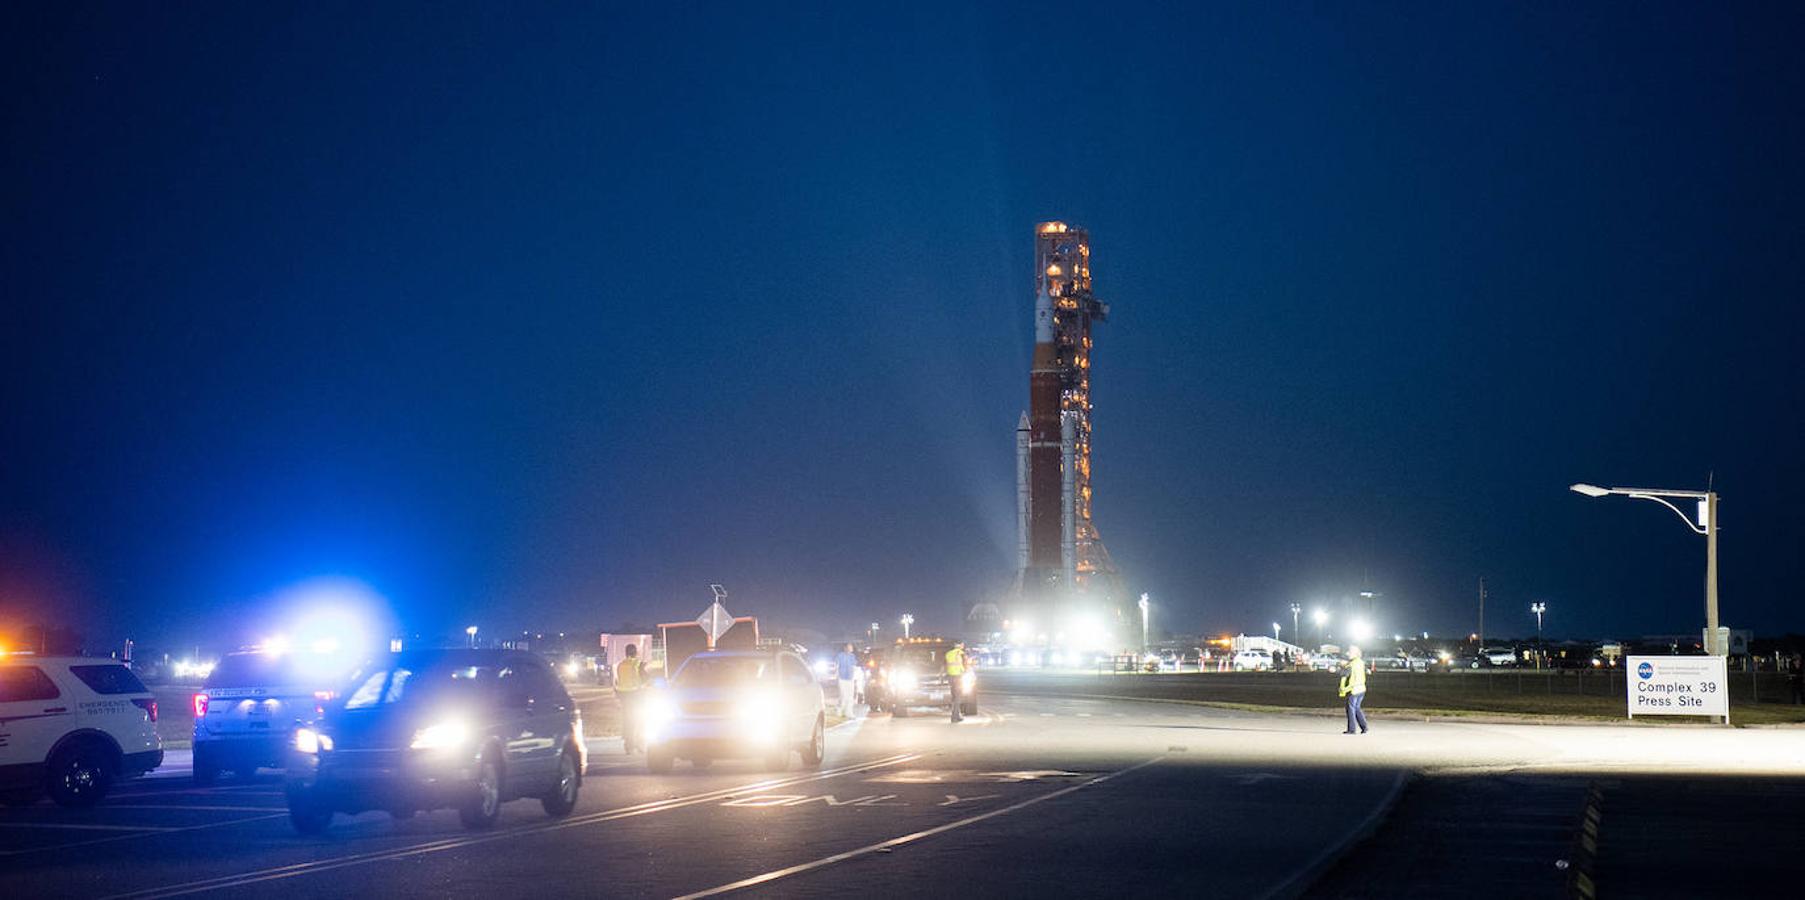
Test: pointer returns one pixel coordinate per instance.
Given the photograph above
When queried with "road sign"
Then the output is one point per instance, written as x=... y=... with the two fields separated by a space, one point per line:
x=1678 y=686
x=715 y=621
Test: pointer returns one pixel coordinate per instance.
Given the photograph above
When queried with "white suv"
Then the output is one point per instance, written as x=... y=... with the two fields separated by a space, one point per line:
x=1252 y=660
x=72 y=725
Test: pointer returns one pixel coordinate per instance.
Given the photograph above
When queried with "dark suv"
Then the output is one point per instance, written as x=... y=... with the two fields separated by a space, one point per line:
x=469 y=729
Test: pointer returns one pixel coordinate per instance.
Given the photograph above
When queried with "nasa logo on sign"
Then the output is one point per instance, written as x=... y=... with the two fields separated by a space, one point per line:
x=1646 y=670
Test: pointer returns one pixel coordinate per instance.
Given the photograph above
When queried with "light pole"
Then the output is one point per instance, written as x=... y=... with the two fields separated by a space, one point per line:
x=1706 y=525
x=1538 y=608
x=471 y=633
x=906 y=620
x=1275 y=631
x=1296 y=610
x=1144 y=607
x=874 y=634
x=1321 y=617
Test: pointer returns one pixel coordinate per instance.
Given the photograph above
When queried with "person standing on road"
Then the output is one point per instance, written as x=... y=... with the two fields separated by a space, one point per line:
x=1353 y=687
x=955 y=673
x=629 y=687
x=1795 y=676
x=848 y=669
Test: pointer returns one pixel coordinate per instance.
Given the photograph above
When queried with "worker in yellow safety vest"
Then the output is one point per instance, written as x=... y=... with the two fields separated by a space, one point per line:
x=629 y=687
x=955 y=672
x=1353 y=687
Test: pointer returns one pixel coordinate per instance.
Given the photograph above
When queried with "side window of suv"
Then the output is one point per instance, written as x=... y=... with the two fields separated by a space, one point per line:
x=109 y=679
x=794 y=672
x=21 y=683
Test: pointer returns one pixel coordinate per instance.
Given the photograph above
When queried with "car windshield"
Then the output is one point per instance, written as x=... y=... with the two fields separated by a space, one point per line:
x=721 y=671
x=403 y=684
x=919 y=656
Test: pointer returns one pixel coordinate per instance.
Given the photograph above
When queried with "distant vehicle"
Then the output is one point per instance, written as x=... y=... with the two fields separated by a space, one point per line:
x=737 y=703
x=246 y=712
x=1252 y=661
x=1326 y=662
x=914 y=675
x=72 y=726
x=1498 y=656
x=428 y=729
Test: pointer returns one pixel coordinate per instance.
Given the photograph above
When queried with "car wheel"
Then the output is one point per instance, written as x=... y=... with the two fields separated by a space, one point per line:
x=816 y=748
x=21 y=797
x=79 y=775
x=659 y=760
x=306 y=813
x=563 y=797
x=206 y=770
x=484 y=805
x=968 y=708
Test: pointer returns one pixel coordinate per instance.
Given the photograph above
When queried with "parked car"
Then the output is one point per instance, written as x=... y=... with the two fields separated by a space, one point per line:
x=1499 y=656
x=736 y=703
x=428 y=729
x=72 y=726
x=1252 y=661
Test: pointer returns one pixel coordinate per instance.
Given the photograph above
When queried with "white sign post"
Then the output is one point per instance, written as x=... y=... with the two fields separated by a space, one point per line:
x=1678 y=686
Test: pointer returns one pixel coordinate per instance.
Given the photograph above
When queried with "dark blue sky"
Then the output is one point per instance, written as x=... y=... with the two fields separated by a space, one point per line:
x=551 y=317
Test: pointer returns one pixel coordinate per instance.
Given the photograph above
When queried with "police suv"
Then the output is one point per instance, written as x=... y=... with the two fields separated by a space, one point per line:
x=72 y=726
x=246 y=712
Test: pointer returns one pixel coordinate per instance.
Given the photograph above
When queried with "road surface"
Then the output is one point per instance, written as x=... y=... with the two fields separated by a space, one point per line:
x=1049 y=795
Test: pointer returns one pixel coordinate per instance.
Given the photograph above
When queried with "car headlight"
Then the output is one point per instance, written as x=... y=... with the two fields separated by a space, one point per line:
x=449 y=733
x=309 y=741
x=657 y=712
x=824 y=667
x=905 y=680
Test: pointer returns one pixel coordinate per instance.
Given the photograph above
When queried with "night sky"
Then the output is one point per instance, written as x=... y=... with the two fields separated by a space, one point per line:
x=549 y=318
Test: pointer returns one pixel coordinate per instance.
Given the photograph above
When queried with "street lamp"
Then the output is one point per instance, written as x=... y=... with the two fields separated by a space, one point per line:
x=1296 y=610
x=1275 y=631
x=471 y=633
x=1539 y=608
x=906 y=620
x=1706 y=525
x=1144 y=606
x=1321 y=617
x=874 y=634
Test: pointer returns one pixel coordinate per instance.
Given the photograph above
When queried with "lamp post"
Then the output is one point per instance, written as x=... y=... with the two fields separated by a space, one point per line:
x=906 y=620
x=874 y=634
x=1321 y=617
x=1538 y=608
x=1145 y=605
x=471 y=633
x=1297 y=609
x=1706 y=525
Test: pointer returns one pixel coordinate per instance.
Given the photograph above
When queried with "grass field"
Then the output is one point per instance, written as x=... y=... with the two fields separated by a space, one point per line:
x=1589 y=695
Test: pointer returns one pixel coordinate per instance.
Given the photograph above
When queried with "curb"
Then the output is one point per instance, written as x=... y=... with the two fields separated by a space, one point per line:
x=1297 y=884
x=1413 y=715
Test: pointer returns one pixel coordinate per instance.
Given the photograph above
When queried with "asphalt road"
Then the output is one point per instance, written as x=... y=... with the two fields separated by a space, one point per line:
x=1054 y=796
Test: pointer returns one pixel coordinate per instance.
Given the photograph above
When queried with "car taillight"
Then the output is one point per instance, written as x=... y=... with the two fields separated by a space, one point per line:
x=149 y=706
x=200 y=705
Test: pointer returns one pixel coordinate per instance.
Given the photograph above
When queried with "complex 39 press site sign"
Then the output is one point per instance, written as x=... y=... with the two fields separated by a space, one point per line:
x=1677 y=686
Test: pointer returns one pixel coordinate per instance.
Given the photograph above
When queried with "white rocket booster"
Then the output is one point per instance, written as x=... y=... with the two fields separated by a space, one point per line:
x=1068 y=497
x=1022 y=493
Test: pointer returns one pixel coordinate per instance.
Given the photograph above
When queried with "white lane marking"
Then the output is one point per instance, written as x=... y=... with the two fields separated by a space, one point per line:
x=656 y=806
x=83 y=826
x=825 y=861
